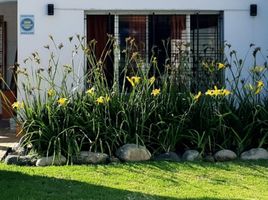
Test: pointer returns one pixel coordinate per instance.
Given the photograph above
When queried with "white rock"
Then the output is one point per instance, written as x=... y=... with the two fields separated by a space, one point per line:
x=20 y=160
x=191 y=155
x=209 y=158
x=225 y=155
x=86 y=157
x=254 y=154
x=47 y=161
x=168 y=156
x=12 y=160
x=133 y=152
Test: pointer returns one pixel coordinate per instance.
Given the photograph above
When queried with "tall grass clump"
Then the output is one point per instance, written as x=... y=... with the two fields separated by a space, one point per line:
x=233 y=118
x=62 y=112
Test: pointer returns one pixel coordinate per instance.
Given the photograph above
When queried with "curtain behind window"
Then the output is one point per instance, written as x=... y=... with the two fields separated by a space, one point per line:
x=98 y=26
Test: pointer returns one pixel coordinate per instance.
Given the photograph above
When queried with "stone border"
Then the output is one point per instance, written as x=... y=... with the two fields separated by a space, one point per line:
x=132 y=153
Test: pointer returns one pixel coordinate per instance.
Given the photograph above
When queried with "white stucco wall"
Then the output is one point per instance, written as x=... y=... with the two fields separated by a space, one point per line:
x=240 y=29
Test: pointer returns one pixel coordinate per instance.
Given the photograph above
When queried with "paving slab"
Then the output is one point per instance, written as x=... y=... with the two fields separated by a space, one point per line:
x=8 y=139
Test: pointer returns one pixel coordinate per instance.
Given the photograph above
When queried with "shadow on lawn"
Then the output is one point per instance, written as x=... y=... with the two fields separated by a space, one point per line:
x=16 y=185
x=169 y=166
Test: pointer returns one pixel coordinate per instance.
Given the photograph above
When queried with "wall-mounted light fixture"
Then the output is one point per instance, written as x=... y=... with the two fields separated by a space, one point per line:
x=50 y=9
x=253 y=9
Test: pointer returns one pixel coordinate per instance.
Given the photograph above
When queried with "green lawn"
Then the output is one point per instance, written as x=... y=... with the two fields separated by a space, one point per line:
x=150 y=180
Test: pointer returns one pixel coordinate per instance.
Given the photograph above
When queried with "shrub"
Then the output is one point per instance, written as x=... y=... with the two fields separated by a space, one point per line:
x=140 y=105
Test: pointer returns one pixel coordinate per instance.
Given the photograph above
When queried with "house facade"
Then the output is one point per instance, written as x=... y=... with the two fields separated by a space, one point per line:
x=204 y=24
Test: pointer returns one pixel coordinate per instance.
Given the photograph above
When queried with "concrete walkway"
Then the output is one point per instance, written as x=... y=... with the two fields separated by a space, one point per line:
x=7 y=139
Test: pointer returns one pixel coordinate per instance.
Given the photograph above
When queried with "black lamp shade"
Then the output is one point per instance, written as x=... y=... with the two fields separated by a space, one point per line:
x=50 y=9
x=253 y=10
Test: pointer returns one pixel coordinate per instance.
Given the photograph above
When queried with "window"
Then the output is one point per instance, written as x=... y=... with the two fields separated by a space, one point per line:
x=206 y=46
x=131 y=28
x=161 y=36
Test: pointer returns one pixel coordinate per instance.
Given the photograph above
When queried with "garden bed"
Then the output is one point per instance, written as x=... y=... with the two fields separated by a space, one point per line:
x=163 y=108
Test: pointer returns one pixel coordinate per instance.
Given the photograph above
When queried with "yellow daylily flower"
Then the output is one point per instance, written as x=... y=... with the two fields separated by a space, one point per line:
x=258 y=90
x=259 y=87
x=257 y=69
x=62 y=101
x=197 y=96
x=100 y=100
x=226 y=92
x=260 y=84
x=209 y=92
x=155 y=92
x=51 y=92
x=218 y=92
x=103 y=100
x=134 y=80
x=152 y=80
x=220 y=66
x=131 y=82
x=91 y=91
x=18 y=105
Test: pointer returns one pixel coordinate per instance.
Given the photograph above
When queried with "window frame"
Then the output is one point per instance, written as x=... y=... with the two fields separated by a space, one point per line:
x=147 y=13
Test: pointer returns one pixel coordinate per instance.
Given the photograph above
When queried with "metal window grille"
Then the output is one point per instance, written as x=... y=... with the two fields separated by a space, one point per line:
x=206 y=51
x=181 y=43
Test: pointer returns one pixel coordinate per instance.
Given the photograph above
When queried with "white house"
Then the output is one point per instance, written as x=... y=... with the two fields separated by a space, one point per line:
x=26 y=24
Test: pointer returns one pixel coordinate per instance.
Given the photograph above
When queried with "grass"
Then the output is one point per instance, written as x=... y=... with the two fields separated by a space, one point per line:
x=150 y=180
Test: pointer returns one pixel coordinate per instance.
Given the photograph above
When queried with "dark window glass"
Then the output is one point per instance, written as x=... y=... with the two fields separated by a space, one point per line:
x=164 y=32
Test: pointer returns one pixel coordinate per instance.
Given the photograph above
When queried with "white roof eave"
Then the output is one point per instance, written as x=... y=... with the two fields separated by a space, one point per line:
x=4 y=1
